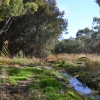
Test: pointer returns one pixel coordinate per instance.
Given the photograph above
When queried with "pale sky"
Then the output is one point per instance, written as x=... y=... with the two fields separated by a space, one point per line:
x=79 y=13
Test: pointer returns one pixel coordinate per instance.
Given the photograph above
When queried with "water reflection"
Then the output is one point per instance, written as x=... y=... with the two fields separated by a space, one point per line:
x=78 y=86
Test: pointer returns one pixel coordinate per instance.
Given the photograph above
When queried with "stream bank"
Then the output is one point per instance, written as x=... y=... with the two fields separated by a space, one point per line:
x=79 y=87
x=85 y=73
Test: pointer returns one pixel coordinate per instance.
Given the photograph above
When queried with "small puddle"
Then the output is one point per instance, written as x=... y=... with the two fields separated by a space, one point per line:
x=79 y=87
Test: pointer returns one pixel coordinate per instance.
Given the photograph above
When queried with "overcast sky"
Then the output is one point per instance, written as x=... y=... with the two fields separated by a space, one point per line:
x=79 y=13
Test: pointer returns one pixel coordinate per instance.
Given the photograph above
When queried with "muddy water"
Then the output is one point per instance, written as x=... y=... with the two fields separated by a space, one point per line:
x=79 y=87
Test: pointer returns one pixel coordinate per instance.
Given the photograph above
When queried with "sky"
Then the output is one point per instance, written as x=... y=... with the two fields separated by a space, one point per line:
x=80 y=14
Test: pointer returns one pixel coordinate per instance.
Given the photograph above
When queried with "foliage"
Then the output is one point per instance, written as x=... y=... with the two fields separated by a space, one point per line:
x=10 y=8
x=39 y=31
x=67 y=46
x=98 y=2
x=32 y=7
x=86 y=41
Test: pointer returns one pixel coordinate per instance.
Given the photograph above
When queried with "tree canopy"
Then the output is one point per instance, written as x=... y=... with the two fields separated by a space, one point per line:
x=86 y=41
x=35 y=32
x=98 y=2
x=11 y=8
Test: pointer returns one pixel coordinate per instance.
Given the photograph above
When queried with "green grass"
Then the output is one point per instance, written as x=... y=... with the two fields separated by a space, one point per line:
x=52 y=82
x=18 y=60
x=17 y=74
x=44 y=83
x=33 y=86
x=49 y=89
x=88 y=71
x=20 y=74
x=64 y=65
x=12 y=81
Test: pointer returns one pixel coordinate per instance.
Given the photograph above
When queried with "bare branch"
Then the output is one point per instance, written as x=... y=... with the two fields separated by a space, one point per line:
x=6 y=26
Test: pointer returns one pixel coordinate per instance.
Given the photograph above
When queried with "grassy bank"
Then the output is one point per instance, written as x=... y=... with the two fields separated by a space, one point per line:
x=36 y=82
x=85 y=67
x=35 y=79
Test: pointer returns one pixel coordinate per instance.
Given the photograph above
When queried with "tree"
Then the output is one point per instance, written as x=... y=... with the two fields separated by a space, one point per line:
x=36 y=34
x=11 y=8
x=96 y=34
x=98 y=2
x=67 y=46
x=84 y=36
x=83 y=33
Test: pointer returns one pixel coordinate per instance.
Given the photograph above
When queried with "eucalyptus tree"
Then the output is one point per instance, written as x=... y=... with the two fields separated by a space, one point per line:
x=68 y=46
x=9 y=10
x=83 y=33
x=96 y=33
x=84 y=36
x=35 y=34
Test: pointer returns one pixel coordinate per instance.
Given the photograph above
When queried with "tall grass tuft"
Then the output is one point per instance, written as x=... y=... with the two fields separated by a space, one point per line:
x=3 y=75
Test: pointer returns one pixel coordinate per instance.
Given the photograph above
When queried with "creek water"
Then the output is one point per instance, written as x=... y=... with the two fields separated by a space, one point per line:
x=81 y=88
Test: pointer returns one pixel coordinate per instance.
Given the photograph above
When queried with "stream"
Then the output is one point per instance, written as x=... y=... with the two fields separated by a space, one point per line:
x=79 y=87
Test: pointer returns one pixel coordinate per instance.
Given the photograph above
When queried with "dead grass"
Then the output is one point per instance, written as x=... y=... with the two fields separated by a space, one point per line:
x=66 y=57
x=74 y=57
x=52 y=58
x=4 y=60
x=92 y=65
x=18 y=62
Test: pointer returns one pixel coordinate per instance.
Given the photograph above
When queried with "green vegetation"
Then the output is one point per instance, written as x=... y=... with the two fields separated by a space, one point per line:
x=35 y=27
x=49 y=84
x=87 y=41
x=12 y=8
x=86 y=70
x=30 y=29
x=41 y=81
